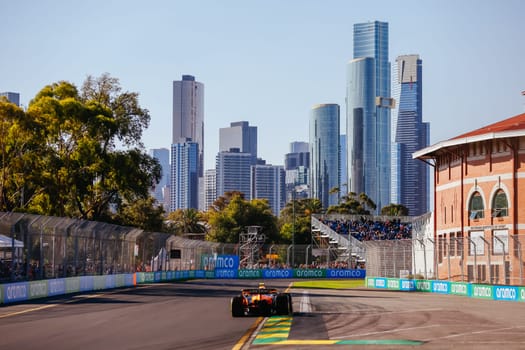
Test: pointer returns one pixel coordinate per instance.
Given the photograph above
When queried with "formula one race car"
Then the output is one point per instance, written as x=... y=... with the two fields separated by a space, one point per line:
x=261 y=301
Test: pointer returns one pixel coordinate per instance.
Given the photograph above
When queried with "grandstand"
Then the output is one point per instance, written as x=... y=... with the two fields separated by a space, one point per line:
x=389 y=246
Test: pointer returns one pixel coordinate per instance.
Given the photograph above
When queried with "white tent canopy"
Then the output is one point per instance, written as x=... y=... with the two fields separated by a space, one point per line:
x=7 y=242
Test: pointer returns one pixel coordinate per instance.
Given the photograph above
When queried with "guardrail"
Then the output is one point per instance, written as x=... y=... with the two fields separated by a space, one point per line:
x=23 y=291
x=471 y=290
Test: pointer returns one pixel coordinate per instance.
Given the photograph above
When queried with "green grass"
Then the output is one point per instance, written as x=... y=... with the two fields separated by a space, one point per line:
x=330 y=284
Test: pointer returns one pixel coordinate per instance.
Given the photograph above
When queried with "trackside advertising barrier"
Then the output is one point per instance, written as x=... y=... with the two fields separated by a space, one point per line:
x=225 y=267
x=471 y=290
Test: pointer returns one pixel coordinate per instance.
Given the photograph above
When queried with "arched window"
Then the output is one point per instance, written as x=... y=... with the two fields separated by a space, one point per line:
x=500 y=204
x=476 y=207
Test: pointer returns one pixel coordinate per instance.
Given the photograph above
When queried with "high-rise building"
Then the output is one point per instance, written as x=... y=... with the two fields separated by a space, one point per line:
x=344 y=168
x=368 y=113
x=268 y=183
x=188 y=124
x=13 y=97
x=324 y=153
x=297 y=166
x=210 y=187
x=184 y=192
x=239 y=135
x=299 y=147
x=162 y=155
x=410 y=177
x=233 y=172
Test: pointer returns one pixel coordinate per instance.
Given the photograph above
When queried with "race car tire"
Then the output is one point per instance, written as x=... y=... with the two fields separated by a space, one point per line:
x=282 y=304
x=237 y=307
x=290 y=303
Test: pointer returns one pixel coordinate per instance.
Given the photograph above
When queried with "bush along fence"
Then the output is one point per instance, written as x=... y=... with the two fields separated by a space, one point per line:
x=471 y=290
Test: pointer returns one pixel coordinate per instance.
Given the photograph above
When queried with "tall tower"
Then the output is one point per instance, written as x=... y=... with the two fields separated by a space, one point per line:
x=233 y=172
x=188 y=114
x=368 y=113
x=410 y=177
x=268 y=181
x=13 y=97
x=239 y=135
x=324 y=153
x=163 y=157
x=184 y=192
x=297 y=166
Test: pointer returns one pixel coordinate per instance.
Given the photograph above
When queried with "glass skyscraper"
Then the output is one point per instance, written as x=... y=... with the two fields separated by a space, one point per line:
x=233 y=172
x=239 y=135
x=184 y=192
x=324 y=153
x=188 y=125
x=368 y=113
x=410 y=177
x=268 y=182
x=163 y=157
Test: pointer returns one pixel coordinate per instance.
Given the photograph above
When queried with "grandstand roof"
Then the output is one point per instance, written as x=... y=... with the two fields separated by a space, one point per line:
x=511 y=127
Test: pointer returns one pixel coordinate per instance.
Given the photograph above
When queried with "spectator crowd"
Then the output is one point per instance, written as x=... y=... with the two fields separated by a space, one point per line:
x=366 y=229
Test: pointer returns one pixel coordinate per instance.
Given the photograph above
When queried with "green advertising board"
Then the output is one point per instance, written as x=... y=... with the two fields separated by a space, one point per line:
x=459 y=288
x=520 y=289
x=392 y=283
x=309 y=273
x=73 y=284
x=424 y=286
x=248 y=274
x=482 y=291
x=37 y=289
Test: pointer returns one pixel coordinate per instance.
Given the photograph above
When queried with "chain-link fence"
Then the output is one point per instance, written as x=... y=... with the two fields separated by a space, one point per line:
x=488 y=255
x=36 y=247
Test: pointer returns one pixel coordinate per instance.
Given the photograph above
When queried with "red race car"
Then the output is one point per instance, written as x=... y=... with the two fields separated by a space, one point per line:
x=261 y=301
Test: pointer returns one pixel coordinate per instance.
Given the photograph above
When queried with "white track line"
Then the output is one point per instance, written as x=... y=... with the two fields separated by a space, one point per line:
x=305 y=306
x=382 y=332
x=476 y=332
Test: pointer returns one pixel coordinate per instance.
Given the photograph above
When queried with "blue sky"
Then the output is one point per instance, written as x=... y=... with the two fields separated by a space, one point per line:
x=268 y=62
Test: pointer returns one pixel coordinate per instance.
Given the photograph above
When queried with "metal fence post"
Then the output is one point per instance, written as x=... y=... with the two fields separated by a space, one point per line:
x=518 y=243
x=504 y=280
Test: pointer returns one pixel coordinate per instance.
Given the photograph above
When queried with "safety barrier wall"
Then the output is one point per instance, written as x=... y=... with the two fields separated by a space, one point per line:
x=23 y=291
x=471 y=290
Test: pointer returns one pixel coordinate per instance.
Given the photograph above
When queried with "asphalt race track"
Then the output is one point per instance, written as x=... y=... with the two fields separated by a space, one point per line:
x=196 y=315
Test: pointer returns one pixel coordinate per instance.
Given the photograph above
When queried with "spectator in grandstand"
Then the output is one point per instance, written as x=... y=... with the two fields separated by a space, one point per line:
x=366 y=229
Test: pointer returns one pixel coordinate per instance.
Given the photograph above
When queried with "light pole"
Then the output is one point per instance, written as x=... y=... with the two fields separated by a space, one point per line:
x=293 y=227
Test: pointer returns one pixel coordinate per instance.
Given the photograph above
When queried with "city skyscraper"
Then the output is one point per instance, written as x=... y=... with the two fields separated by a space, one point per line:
x=210 y=188
x=163 y=157
x=233 y=172
x=239 y=135
x=410 y=177
x=188 y=124
x=344 y=168
x=268 y=182
x=13 y=97
x=297 y=166
x=184 y=192
x=368 y=113
x=324 y=153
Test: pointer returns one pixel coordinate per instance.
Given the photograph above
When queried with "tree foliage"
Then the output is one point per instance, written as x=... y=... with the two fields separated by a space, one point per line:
x=236 y=215
x=353 y=204
x=394 y=210
x=67 y=161
x=185 y=221
x=295 y=220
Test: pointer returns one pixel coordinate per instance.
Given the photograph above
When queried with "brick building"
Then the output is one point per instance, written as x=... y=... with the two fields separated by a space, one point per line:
x=479 y=203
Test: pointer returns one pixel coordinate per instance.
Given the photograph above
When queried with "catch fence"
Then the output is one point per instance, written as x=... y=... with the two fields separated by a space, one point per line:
x=34 y=247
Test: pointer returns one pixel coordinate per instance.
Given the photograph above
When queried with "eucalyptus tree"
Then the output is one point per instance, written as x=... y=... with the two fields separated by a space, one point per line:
x=84 y=151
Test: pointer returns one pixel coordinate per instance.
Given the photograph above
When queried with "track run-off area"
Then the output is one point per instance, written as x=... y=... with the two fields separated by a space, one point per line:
x=196 y=315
